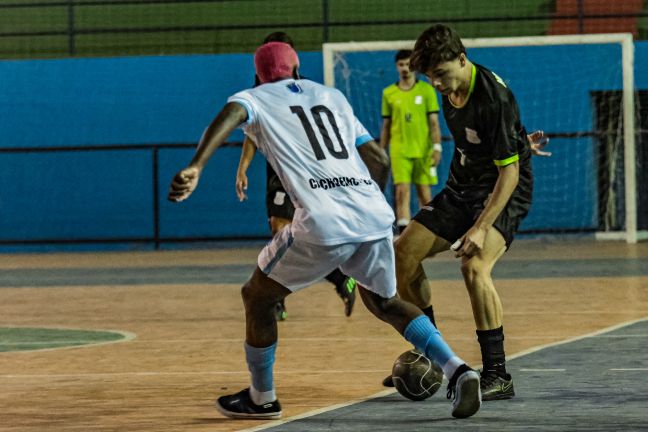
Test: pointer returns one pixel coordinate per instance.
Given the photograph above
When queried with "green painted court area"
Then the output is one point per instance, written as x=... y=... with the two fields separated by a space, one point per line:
x=30 y=338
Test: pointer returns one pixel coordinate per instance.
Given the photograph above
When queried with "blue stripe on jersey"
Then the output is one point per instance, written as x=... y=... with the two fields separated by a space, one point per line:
x=364 y=139
x=281 y=251
x=247 y=107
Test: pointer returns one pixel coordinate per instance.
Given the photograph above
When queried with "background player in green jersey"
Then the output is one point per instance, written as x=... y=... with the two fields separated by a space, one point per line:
x=411 y=130
x=487 y=194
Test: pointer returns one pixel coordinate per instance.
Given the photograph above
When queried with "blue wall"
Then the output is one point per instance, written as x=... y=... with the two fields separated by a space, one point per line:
x=109 y=193
x=143 y=100
x=129 y=100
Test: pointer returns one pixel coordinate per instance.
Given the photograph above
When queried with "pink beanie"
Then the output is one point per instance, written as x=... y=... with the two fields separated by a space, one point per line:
x=275 y=60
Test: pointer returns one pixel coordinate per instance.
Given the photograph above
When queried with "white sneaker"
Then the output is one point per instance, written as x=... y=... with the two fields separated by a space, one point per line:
x=464 y=386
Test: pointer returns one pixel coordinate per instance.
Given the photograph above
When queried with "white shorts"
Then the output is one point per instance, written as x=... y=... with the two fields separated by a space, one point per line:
x=296 y=264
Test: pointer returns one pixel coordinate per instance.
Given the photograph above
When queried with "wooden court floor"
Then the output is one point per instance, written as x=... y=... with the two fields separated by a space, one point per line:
x=188 y=347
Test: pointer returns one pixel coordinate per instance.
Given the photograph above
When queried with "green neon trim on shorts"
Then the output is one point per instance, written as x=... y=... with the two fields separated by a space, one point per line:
x=507 y=161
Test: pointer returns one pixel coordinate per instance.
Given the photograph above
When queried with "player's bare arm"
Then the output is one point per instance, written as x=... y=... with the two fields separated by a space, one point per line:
x=247 y=154
x=473 y=241
x=185 y=181
x=435 y=136
x=384 y=133
x=376 y=159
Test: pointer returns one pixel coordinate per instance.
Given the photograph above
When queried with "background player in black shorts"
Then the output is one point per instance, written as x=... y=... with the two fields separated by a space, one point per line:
x=281 y=210
x=487 y=194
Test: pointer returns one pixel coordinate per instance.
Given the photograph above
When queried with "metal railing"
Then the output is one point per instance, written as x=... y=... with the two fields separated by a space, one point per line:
x=157 y=240
x=325 y=24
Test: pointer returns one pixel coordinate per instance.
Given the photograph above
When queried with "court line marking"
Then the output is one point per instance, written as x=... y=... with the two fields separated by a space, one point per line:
x=318 y=411
x=625 y=336
x=156 y=373
x=127 y=337
x=388 y=392
x=542 y=370
x=629 y=369
x=238 y=340
x=577 y=338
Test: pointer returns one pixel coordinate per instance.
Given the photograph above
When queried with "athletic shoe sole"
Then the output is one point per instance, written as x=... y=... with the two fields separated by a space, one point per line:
x=468 y=398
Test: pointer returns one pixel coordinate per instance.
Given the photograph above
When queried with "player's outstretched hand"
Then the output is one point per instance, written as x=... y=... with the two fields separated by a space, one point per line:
x=241 y=186
x=538 y=141
x=183 y=184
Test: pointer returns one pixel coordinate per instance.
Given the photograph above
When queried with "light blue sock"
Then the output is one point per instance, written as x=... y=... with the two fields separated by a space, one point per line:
x=426 y=338
x=260 y=362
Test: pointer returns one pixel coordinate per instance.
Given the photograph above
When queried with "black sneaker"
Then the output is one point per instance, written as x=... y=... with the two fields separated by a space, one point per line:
x=240 y=406
x=347 y=292
x=464 y=391
x=496 y=386
x=388 y=381
x=280 y=311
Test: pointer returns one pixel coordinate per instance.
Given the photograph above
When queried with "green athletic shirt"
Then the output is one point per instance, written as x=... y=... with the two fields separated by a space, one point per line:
x=409 y=110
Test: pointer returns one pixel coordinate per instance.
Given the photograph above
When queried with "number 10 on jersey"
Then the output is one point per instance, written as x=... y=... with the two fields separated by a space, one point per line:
x=319 y=112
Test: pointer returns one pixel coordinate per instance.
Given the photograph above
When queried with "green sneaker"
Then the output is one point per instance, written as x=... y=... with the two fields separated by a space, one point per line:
x=280 y=311
x=347 y=292
x=496 y=386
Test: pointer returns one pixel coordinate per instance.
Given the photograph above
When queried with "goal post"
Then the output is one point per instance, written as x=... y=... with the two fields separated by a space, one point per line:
x=598 y=69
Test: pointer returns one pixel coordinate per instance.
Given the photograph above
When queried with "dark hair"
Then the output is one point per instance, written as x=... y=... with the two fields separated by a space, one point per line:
x=279 y=36
x=402 y=55
x=436 y=45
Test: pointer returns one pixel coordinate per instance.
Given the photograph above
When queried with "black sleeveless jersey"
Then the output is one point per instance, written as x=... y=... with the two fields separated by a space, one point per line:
x=487 y=133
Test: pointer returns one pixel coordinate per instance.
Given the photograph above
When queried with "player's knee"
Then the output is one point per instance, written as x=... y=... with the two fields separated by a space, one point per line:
x=402 y=191
x=252 y=290
x=474 y=269
x=247 y=292
x=377 y=305
x=255 y=299
x=405 y=264
x=382 y=306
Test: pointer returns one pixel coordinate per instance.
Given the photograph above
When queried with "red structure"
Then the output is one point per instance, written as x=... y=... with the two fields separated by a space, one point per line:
x=595 y=16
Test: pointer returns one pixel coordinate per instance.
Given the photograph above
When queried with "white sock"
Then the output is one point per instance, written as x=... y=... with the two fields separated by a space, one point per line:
x=402 y=222
x=261 y=398
x=451 y=366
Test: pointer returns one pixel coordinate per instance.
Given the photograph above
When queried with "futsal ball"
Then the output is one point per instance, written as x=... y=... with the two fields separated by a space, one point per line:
x=415 y=376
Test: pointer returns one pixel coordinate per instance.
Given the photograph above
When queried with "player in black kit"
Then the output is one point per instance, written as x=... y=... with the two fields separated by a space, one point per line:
x=487 y=194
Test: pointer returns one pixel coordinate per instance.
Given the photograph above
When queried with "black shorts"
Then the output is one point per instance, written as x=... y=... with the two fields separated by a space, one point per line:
x=450 y=216
x=278 y=202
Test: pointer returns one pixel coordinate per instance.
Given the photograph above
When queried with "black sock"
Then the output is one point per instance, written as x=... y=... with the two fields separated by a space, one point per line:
x=491 y=343
x=336 y=277
x=429 y=312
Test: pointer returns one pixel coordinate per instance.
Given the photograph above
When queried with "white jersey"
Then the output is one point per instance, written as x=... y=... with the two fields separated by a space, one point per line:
x=309 y=134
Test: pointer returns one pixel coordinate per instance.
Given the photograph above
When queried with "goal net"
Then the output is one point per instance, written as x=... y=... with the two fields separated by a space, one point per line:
x=578 y=89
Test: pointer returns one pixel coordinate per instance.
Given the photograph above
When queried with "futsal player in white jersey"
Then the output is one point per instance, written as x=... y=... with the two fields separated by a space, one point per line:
x=307 y=133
